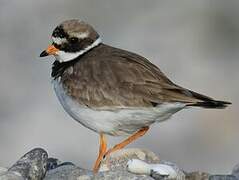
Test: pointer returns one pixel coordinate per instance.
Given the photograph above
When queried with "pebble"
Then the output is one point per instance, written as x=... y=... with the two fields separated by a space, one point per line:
x=119 y=159
x=155 y=170
x=222 y=177
x=30 y=166
x=235 y=171
x=127 y=164
x=67 y=172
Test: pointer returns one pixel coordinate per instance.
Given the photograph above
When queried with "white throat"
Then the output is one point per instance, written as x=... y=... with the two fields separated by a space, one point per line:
x=68 y=56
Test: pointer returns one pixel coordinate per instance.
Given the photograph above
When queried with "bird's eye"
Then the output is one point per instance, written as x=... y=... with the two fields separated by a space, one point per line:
x=73 y=39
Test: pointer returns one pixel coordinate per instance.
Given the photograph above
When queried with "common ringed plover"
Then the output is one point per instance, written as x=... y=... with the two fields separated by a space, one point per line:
x=110 y=90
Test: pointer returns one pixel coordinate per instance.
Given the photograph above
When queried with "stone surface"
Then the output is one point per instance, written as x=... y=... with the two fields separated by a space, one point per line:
x=2 y=170
x=179 y=171
x=120 y=174
x=35 y=165
x=11 y=176
x=67 y=172
x=53 y=163
x=5 y=175
x=156 y=171
x=197 y=176
x=222 y=177
x=119 y=159
x=113 y=167
x=235 y=171
x=30 y=166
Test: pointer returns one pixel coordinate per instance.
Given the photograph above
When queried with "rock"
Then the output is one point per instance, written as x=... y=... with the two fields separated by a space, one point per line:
x=67 y=172
x=2 y=170
x=6 y=175
x=120 y=174
x=113 y=167
x=117 y=163
x=222 y=177
x=235 y=171
x=53 y=163
x=11 y=176
x=30 y=166
x=35 y=165
x=157 y=171
x=119 y=159
x=197 y=176
x=180 y=173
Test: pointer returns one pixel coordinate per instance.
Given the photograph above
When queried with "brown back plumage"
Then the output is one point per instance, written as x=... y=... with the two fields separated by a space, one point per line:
x=107 y=76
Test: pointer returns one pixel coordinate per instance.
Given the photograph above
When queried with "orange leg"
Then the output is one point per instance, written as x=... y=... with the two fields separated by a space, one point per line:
x=102 y=151
x=127 y=141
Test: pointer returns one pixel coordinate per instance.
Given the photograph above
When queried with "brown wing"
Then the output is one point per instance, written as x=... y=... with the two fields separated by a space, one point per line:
x=121 y=78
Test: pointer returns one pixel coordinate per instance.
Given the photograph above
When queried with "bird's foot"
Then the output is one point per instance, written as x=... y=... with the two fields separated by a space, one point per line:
x=103 y=153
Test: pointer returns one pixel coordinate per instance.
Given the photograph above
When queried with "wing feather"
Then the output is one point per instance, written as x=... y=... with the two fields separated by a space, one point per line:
x=123 y=79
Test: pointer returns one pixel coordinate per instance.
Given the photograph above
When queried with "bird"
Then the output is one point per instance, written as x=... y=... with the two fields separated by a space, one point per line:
x=113 y=91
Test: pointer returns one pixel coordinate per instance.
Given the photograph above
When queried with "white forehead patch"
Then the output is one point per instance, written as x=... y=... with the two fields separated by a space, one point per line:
x=68 y=56
x=82 y=35
x=58 y=40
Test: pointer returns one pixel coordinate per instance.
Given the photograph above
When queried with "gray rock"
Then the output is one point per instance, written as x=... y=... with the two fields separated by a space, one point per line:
x=117 y=163
x=120 y=174
x=157 y=171
x=119 y=159
x=235 y=171
x=157 y=176
x=30 y=166
x=180 y=173
x=67 y=172
x=76 y=173
x=113 y=167
x=197 y=176
x=35 y=165
x=52 y=163
x=2 y=170
x=11 y=176
x=222 y=177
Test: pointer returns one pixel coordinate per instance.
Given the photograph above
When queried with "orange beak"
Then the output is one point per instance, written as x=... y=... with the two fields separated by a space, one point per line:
x=51 y=50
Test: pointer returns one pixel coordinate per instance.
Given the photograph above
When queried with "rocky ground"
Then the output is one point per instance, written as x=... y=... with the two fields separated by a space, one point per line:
x=124 y=164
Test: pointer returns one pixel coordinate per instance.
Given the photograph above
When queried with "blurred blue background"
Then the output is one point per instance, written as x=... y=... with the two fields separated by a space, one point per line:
x=195 y=43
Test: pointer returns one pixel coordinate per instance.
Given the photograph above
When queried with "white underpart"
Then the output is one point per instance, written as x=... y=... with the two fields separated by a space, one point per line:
x=140 y=167
x=119 y=121
x=58 y=40
x=68 y=56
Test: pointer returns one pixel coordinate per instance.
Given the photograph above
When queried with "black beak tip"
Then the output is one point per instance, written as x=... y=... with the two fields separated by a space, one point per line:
x=43 y=54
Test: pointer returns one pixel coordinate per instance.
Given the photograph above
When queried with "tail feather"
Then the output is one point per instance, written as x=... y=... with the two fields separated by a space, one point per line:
x=207 y=102
x=211 y=104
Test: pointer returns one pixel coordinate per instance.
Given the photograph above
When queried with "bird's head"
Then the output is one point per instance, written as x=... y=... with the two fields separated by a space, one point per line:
x=71 y=39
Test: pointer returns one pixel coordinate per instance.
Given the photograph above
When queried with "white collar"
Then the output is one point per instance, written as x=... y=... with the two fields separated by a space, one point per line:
x=68 y=56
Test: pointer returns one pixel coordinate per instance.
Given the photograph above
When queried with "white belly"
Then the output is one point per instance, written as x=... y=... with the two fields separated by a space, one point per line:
x=120 y=121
